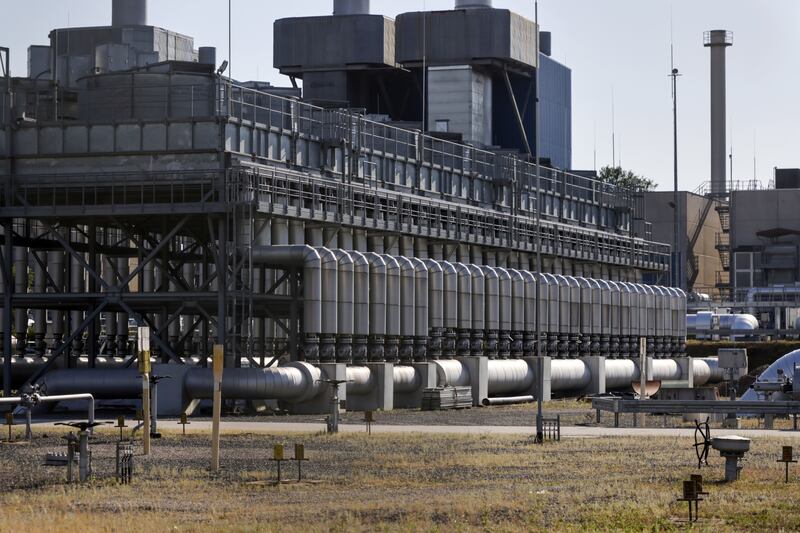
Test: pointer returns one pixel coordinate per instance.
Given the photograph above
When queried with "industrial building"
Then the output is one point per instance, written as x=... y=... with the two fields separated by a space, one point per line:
x=387 y=220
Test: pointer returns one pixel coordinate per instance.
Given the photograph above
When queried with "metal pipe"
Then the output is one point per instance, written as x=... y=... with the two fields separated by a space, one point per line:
x=393 y=308
x=377 y=306
x=361 y=307
x=510 y=400
x=408 y=291
x=295 y=382
x=421 y=309
x=509 y=376
x=451 y=373
x=360 y=380
x=406 y=379
x=345 y=309
x=718 y=41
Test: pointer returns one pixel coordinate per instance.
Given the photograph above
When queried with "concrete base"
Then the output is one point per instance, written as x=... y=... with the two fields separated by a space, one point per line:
x=478 y=368
x=381 y=397
x=426 y=372
x=321 y=404
x=597 y=369
x=546 y=392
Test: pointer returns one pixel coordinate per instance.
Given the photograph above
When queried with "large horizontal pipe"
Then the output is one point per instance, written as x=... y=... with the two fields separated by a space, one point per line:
x=406 y=379
x=294 y=382
x=102 y=383
x=508 y=377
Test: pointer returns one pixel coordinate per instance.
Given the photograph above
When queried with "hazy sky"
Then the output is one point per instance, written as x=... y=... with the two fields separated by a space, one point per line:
x=619 y=46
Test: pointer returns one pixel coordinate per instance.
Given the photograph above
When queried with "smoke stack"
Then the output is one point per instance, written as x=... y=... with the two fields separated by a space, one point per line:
x=718 y=41
x=472 y=4
x=351 y=7
x=129 y=13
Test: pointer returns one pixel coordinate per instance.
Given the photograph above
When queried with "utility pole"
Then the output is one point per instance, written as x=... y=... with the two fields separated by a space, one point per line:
x=539 y=358
x=677 y=278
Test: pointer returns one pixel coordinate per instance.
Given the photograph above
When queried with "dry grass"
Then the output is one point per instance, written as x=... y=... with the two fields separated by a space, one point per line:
x=408 y=483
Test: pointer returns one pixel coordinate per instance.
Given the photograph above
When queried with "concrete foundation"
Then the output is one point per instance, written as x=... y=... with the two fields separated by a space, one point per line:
x=478 y=368
x=597 y=369
x=381 y=397
x=547 y=390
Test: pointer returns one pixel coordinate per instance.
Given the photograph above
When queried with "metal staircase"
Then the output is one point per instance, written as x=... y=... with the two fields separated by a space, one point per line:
x=692 y=261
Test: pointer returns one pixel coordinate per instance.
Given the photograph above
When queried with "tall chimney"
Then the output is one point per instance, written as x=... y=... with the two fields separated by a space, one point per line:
x=129 y=13
x=718 y=41
x=471 y=4
x=351 y=7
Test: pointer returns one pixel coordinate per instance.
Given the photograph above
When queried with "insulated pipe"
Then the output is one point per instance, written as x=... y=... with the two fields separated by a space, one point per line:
x=509 y=377
x=295 y=382
x=330 y=289
x=21 y=287
x=361 y=307
x=307 y=258
x=478 y=311
x=377 y=306
x=421 y=309
x=393 y=309
x=450 y=311
x=124 y=268
x=451 y=373
x=39 y=315
x=622 y=314
x=406 y=379
x=435 y=308
x=491 y=311
x=103 y=383
x=569 y=375
x=408 y=291
x=504 y=343
x=360 y=380
x=518 y=313
x=55 y=267
x=464 y=342
x=345 y=296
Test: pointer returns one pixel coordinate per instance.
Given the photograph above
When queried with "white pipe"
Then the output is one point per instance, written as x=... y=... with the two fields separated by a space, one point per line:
x=509 y=376
x=450 y=295
x=360 y=380
x=361 y=293
x=435 y=294
x=407 y=296
x=504 y=284
x=491 y=296
x=345 y=293
x=295 y=382
x=406 y=379
x=451 y=373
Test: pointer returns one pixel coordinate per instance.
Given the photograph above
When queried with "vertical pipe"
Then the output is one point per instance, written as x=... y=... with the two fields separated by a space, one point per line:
x=8 y=289
x=77 y=286
x=21 y=287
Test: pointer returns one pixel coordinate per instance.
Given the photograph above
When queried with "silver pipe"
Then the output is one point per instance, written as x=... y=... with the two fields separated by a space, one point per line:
x=421 y=309
x=407 y=308
x=451 y=373
x=345 y=296
x=361 y=307
x=510 y=400
x=360 y=380
x=295 y=382
x=393 y=307
x=377 y=306
x=509 y=377
x=120 y=383
x=21 y=287
x=406 y=379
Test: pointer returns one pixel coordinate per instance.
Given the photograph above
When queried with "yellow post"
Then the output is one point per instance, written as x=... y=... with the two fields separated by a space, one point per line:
x=218 y=363
x=144 y=370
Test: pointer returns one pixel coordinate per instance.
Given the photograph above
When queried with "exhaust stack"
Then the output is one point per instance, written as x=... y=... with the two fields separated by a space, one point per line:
x=129 y=13
x=473 y=4
x=718 y=41
x=350 y=7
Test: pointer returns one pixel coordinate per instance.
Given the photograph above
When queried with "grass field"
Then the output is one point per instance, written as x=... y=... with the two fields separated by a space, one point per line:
x=400 y=483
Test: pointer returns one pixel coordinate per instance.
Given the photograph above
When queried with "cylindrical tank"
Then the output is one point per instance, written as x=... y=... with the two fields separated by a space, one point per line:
x=129 y=13
x=351 y=7
x=207 y=55
x=472 y=4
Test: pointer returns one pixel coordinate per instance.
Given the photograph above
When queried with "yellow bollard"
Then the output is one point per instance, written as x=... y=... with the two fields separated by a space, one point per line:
x=218 y=363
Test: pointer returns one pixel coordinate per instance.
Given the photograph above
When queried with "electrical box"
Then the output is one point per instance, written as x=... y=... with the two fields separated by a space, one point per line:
x=733 y=359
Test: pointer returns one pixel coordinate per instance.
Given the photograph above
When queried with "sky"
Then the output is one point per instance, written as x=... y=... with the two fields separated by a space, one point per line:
x=618 y=50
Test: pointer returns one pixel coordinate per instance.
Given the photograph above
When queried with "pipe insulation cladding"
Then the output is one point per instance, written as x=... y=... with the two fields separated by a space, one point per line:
x=129 y=12
x=295 y=382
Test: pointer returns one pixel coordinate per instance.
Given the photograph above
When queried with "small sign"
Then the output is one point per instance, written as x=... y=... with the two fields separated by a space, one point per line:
x=299 y=452
x=218 y=361
x=9 y=419
x=277 y=452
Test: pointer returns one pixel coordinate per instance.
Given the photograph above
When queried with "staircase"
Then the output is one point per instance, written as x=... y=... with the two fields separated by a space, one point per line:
x=723 y=246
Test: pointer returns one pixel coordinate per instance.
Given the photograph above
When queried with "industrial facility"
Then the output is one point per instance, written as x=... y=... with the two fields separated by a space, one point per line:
x=379 y=225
